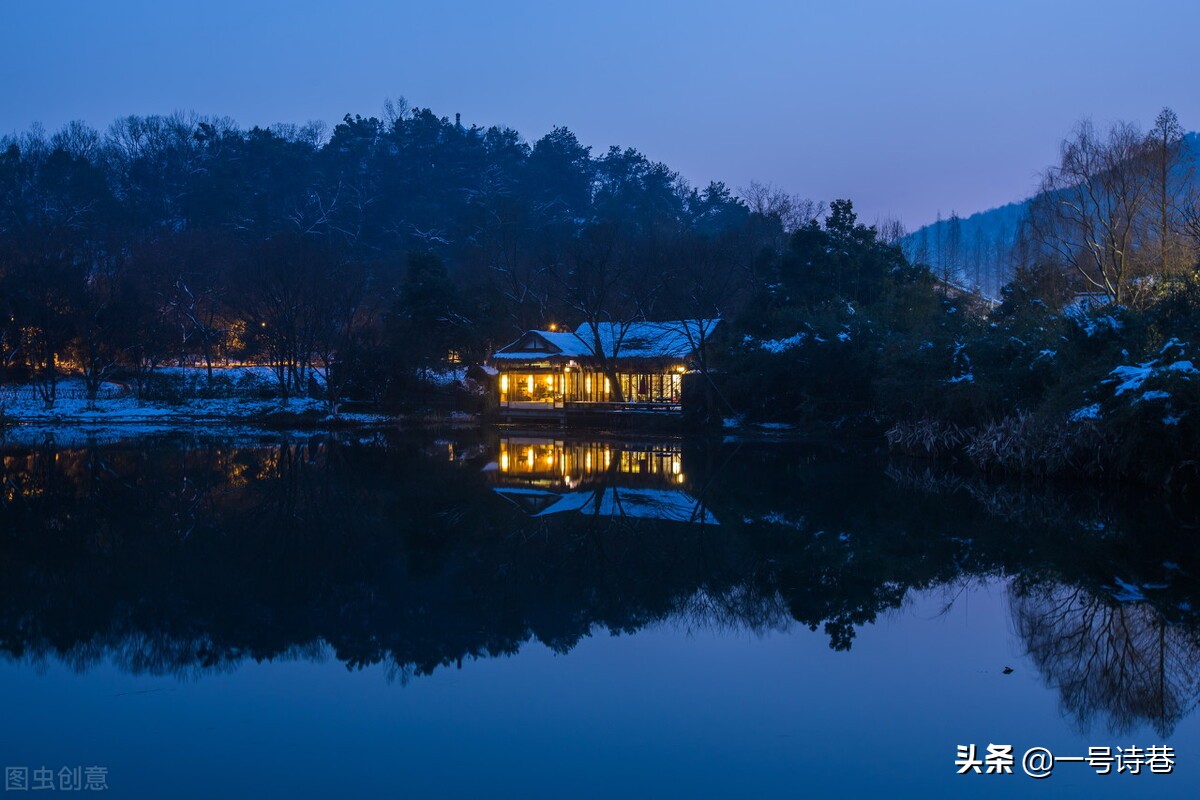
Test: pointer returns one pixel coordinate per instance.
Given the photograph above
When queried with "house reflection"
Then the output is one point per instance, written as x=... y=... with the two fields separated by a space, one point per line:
x=544 y=476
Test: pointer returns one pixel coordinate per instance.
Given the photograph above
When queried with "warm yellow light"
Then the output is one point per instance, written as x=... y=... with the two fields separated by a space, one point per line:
x=550 y=459
x=587 y=384
x=529 y=457
x=607 y=385
x=553 y=327
x=504 y=383
x=529 y=382
x=676 y=467
x=587 y=461
x=607 y=457
x=503 y=462
x=679 y=478
x=550 y=381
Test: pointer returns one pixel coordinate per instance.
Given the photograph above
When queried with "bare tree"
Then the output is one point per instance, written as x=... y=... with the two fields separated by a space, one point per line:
x=610 y=284
x=792 y=210
x=890 y=230
x=1091 y=211
x=341 y=309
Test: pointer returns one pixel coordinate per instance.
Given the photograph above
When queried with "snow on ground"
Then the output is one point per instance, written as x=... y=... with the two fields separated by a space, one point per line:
x=71 y=405
x=124 y=416
x=240 y=375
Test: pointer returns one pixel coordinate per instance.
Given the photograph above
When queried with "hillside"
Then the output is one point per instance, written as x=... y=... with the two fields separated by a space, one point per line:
x=979 y=252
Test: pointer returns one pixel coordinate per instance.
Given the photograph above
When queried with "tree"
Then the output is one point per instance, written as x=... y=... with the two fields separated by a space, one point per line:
x=341 y=310
x=706 y=282
x=951 y=270
x=1172 y=176
x=46 y=294
x=427 y=322
x=283 y=299
x=1091 y=210
x=843 y=261
x=610 y=282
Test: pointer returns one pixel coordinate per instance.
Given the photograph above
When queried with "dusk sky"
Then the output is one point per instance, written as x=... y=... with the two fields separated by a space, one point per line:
x=905 y=108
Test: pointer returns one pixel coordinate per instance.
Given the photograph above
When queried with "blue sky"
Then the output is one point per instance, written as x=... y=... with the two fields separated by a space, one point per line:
x=905 y=107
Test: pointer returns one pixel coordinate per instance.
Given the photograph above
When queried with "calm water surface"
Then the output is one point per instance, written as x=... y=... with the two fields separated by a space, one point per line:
x=497 y=614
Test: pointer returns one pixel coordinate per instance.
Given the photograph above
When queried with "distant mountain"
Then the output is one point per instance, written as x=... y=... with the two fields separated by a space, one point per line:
x=984 y=241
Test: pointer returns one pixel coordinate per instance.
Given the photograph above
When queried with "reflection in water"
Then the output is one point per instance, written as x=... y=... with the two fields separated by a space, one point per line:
x=1119 y=660
x=185 y=557
x=609 y=479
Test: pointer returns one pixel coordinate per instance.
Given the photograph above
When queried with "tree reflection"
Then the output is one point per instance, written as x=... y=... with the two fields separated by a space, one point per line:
x=417 y=552
x=1120 y=661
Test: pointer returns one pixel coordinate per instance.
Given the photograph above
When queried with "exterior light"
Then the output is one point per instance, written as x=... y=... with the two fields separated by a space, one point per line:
x=553 y=326
x=504 y=383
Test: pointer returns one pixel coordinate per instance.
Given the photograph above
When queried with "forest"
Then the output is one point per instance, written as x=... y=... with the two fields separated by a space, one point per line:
x=369 y=253
x=359 y=262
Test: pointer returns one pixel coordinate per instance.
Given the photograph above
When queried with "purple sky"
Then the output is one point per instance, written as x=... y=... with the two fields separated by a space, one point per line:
x=905 y=107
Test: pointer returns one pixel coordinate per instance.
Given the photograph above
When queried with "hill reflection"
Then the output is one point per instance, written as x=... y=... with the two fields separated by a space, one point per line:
x=185 y=557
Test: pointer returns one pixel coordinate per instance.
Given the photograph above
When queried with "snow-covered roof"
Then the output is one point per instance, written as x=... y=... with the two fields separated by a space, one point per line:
x=672 y=339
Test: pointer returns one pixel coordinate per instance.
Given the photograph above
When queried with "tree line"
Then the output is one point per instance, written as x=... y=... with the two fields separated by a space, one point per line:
x=363 y=255
x=359 y=262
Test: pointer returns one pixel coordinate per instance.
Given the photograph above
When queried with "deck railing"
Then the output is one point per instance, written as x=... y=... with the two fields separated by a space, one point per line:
x=600 y=407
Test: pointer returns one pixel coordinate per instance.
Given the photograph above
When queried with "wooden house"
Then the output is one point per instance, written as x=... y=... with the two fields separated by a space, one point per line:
x=610 y=368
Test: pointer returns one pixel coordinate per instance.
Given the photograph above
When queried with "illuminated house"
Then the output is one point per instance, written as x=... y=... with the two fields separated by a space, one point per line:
x=615 y=368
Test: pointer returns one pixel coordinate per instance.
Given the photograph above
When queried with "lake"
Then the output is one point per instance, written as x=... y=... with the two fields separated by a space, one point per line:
x=508 y=613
